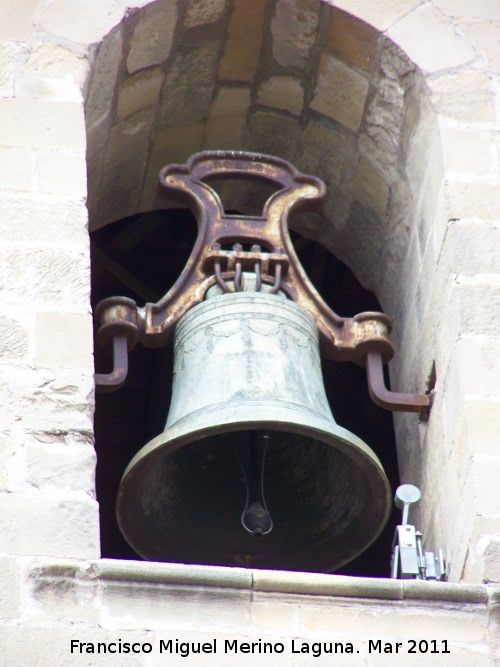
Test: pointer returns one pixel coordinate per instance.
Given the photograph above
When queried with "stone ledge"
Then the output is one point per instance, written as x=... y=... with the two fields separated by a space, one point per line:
x=293 y=582
x=172 y=573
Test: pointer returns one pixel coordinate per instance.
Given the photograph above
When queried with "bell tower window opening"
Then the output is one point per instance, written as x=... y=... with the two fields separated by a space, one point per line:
x=141 y=257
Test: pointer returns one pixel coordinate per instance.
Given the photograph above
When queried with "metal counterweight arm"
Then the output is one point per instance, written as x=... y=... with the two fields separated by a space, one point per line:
x=107 y=382
x=118 y=320
x=391 y=400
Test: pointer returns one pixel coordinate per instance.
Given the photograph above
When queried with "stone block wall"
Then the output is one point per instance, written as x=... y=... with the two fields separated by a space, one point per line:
x=393 y=104
x=383 y=119
x=92 y=613
x=48 y=497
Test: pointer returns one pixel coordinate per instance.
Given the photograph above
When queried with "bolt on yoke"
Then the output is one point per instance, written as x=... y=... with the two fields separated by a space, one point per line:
x=229 y=245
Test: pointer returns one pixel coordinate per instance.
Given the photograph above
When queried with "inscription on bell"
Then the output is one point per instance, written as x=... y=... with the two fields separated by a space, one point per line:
x=246 y=331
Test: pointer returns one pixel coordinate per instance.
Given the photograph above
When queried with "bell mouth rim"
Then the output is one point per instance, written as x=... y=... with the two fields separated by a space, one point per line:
x=314 y=424
x=319 y=428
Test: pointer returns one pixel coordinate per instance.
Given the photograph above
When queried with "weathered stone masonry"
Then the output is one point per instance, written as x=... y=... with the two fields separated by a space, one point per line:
x=395 y=105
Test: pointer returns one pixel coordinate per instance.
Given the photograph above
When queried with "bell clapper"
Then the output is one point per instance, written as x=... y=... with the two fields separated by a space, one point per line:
x=256 y=518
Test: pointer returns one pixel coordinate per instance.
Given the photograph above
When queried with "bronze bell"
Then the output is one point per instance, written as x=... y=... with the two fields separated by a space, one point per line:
x=251 y=449
x=251 y=468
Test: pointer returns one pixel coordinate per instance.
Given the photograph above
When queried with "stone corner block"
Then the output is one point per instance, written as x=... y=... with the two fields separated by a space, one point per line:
x=153 y=35
x=352 y=39
x=443 y=47
x=293 y=31
x=340 y=92
x=59 y=524
x=241 y=56
x=10 y=587
x=64 y=340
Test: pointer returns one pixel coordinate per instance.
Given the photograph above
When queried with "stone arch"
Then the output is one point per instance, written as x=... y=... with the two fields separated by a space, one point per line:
x=342 y=102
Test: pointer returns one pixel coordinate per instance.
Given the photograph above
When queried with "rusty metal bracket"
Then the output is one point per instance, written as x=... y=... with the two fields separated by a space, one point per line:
x=391 y=400
x=107 y=382
x=118 y=324
x=228 y=244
